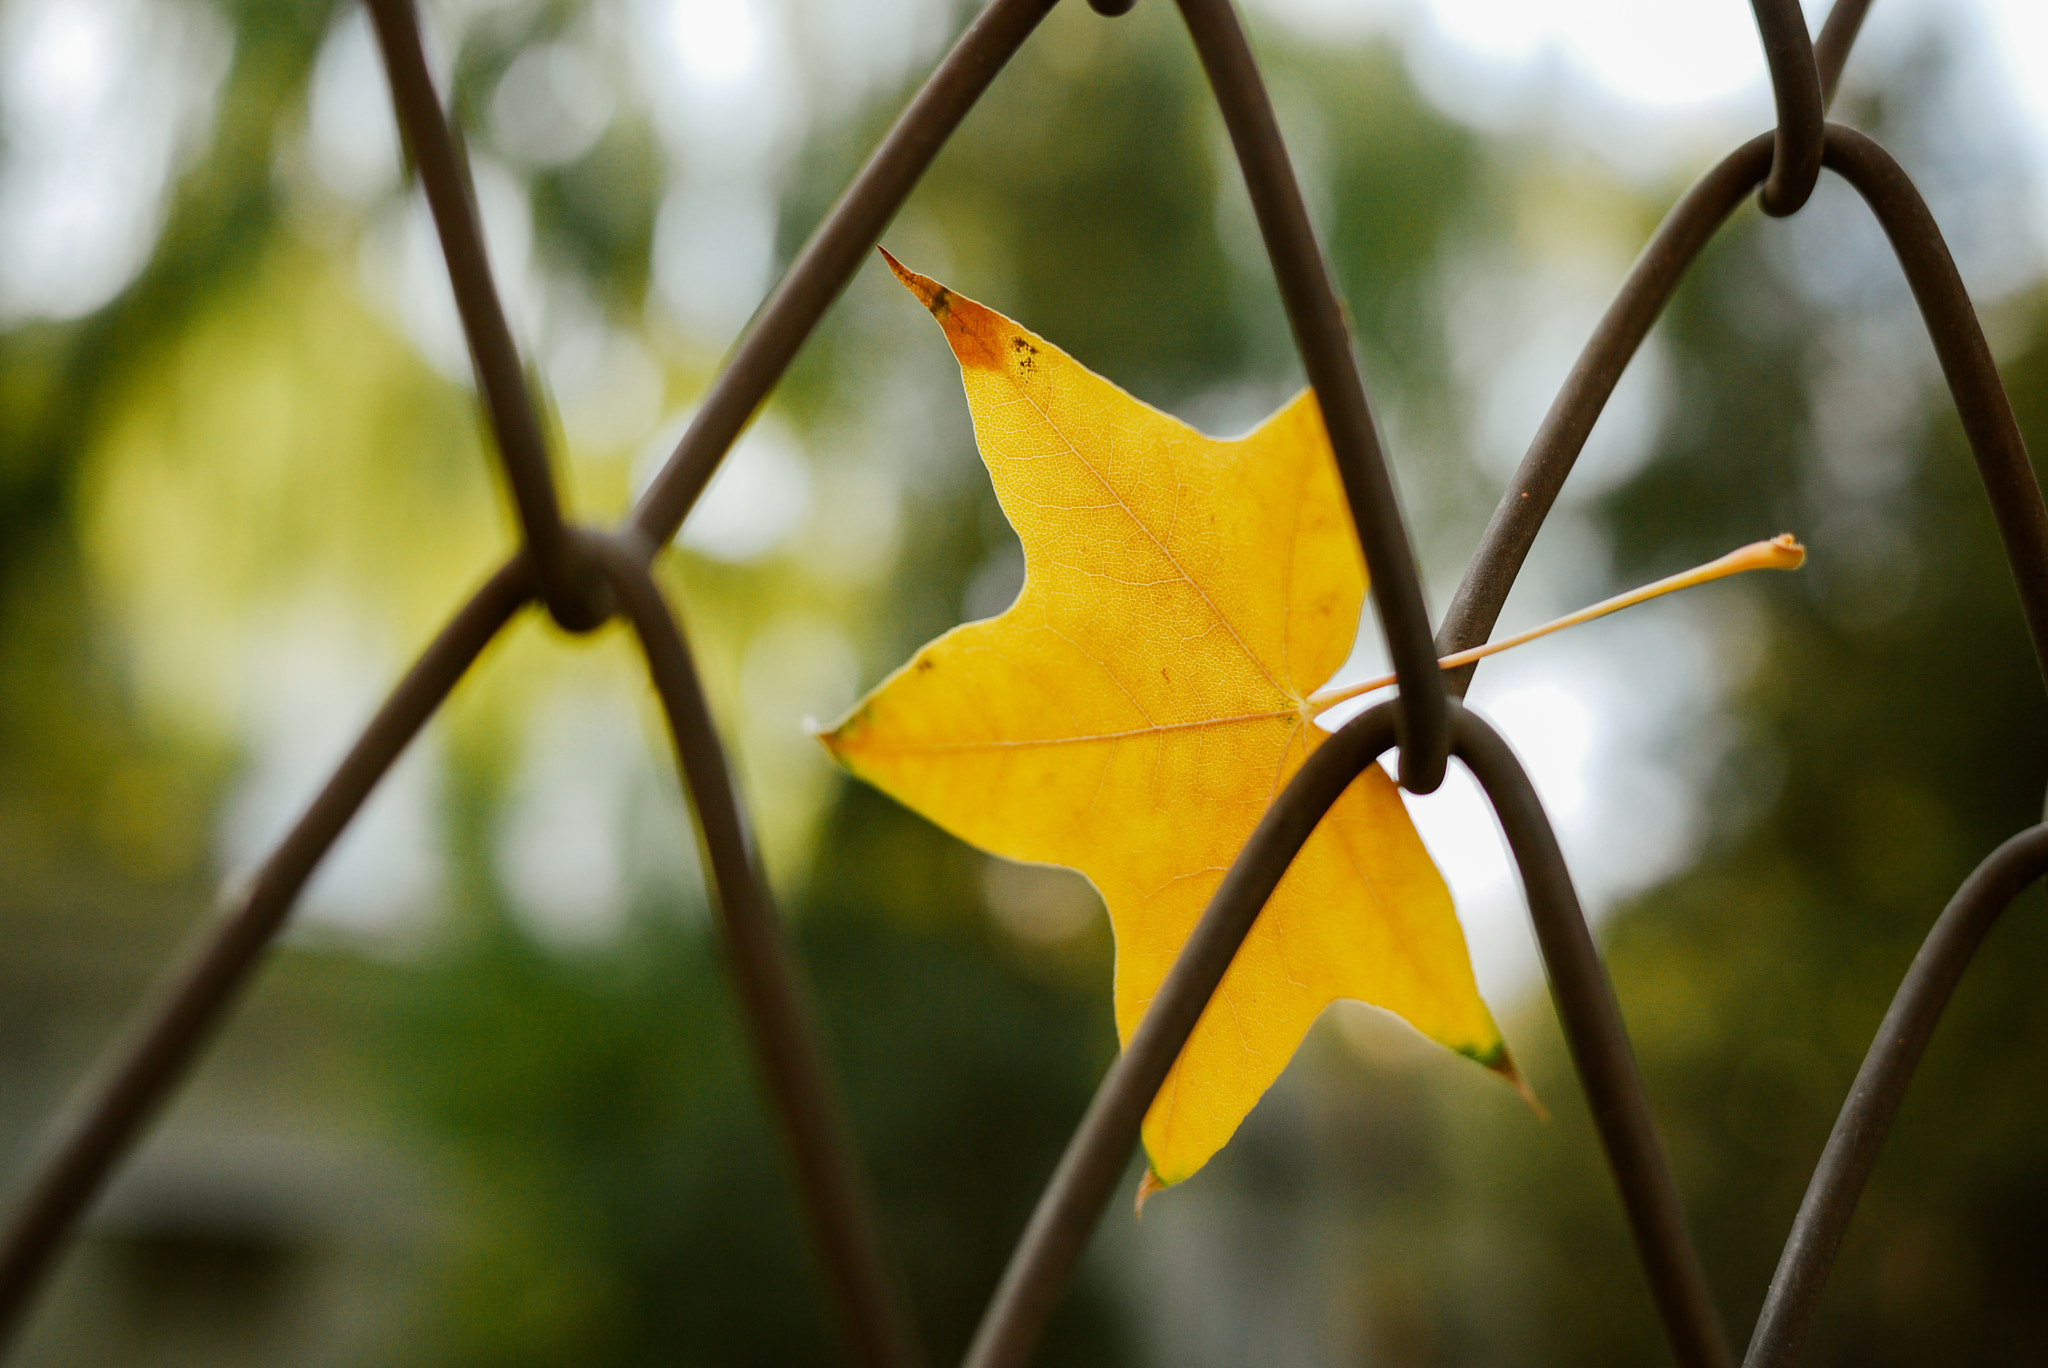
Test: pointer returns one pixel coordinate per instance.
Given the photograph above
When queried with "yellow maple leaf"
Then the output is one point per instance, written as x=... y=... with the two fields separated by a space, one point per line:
x=1135 y=711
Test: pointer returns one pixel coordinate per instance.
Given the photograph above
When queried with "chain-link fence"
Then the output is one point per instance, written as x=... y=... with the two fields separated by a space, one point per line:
x=585 y=577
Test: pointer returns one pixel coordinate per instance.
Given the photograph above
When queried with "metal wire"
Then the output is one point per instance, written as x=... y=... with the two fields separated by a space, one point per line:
x=829 y=259
x=1532 y=490
x=83 y=1151
x=1879 y=1088
x=522 y=451
x=776 y=1003
x=1831 y=49
x=157 y=1054
x=1796 y=86
x=1981 y=403
x=1102 y=1144
x=585 y=576
x=1325 y=346
x=1686 y=230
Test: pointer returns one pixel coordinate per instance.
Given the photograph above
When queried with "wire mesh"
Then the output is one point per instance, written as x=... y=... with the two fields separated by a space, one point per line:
x=584 y=577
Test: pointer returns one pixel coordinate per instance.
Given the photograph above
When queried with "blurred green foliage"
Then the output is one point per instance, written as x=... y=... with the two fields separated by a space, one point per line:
x=589 y=1175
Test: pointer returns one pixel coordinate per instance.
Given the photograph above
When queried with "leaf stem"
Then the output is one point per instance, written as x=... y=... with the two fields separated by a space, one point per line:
x=1782 y=552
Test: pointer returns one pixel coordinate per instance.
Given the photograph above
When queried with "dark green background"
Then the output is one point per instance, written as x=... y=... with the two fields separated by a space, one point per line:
x=489 y=1153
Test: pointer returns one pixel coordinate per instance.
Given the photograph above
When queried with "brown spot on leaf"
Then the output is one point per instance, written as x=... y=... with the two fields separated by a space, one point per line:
x=973 y=329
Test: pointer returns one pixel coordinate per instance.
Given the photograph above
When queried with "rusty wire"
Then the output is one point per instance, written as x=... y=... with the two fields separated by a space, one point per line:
x=1879 y=1088
x=1325 y=345
x=1796 y=87
x=1095 y=1158
x=572 y=599
x=773 y=998
x=584 y=577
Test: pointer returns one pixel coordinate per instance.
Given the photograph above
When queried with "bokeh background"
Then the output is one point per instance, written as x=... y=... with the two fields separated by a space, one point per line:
x=488 y=1104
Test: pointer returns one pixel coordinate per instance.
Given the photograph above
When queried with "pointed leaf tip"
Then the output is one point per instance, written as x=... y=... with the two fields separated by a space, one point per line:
x=832 y=737
x=1504 y=1065
x=1147 y=1185
x=979 y=336
x=928 y=291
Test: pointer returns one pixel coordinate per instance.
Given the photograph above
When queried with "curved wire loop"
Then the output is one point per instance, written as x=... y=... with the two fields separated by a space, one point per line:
x=1952 y=327
x=167 y=1035
x=776 y=1002
x=1325 y=346
x=583 y=575
x=95 y=1136
x=1095 y=1157
x=573 y=597
x=1504 y=546
x=1689 y=225
x=1074 y=1198
x=1600 y=1049
x=1880 y=1086
x=1796 y=89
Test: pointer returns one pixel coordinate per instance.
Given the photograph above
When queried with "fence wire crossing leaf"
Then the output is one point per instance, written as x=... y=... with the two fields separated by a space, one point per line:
x=585 y=576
